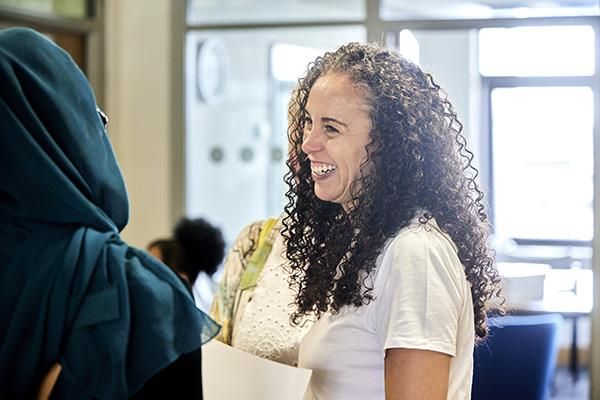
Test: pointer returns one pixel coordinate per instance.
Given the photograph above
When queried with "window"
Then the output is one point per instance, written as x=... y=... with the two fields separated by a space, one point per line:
x=540 y=105
x=542 y=163
x=537 y=51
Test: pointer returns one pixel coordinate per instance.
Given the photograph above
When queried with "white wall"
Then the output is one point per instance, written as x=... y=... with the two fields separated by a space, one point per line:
x=138 y=86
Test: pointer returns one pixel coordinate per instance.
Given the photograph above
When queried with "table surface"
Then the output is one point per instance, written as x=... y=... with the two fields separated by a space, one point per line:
x=568 y=292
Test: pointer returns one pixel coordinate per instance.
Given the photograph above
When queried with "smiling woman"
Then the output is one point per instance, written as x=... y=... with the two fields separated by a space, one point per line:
x=336 y=134
x=386 y=233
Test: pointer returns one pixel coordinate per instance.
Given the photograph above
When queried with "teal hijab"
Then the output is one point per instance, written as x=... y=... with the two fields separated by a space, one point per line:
x=71 y=291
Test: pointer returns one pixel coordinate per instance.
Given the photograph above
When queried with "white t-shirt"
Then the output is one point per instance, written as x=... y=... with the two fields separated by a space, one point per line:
x=204 y=290
x=422 y=301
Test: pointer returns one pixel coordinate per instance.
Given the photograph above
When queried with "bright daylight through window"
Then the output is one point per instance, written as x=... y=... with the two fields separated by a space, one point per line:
x=541 y=130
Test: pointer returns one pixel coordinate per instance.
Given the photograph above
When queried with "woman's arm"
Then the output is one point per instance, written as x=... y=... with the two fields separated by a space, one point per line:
x=48 y=382
x=416 y=374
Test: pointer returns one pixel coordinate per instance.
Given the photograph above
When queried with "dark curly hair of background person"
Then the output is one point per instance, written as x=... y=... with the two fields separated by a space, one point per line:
x=196 y=246
x=418 y=160
x=202 y=243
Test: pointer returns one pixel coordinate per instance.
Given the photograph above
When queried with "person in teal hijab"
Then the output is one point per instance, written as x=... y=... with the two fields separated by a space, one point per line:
x=72 y=292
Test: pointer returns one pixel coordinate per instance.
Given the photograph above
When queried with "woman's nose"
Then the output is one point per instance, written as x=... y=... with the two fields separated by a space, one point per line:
x=313 y=141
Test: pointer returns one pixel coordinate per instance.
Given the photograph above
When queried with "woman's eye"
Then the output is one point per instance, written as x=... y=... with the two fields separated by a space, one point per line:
x=330 y=129
x=307 y=123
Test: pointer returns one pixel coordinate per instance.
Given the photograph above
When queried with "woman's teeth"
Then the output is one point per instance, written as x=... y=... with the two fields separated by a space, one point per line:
x=323 y=169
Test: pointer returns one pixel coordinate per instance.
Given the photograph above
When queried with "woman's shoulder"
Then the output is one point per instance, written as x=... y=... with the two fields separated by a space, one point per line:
x=256 y=226
x=250 y=229
x=248 y=238
x=422 y=252
x=421 y=233
x=249 y=232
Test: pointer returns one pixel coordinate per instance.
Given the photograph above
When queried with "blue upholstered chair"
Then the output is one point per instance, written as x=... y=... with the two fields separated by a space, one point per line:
x=518 y=359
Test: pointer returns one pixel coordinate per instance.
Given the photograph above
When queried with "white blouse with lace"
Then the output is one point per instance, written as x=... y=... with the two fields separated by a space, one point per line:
x=264 y=329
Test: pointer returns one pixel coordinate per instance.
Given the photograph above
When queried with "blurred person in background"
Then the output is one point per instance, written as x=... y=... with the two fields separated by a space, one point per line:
x=195 y=251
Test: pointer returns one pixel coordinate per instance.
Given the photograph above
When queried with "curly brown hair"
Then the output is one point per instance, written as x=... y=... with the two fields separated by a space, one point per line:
x=417 y=160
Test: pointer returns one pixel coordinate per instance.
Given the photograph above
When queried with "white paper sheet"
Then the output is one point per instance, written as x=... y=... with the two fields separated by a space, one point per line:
x=232 y=374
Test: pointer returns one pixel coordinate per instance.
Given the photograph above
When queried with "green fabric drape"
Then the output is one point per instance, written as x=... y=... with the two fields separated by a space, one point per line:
x=70 y=289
